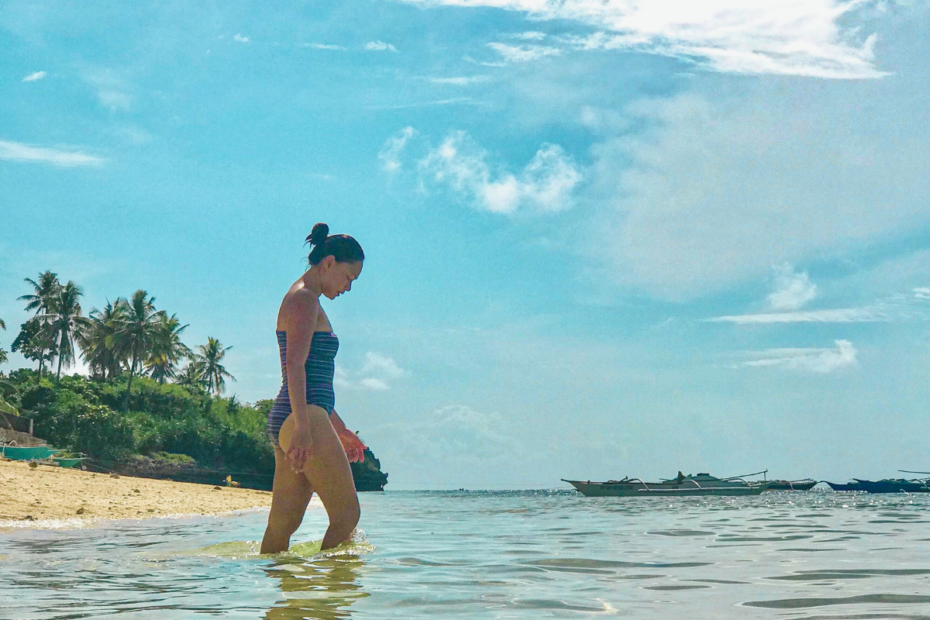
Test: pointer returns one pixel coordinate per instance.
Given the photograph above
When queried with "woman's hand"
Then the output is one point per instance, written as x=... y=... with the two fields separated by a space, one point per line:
x=355 y=449
x=301 y=448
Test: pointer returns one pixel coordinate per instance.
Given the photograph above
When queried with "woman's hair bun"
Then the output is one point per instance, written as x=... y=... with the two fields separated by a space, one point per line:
x=318 y=235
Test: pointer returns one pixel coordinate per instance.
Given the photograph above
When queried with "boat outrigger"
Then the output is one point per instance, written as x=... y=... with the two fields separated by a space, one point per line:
x=700 y=484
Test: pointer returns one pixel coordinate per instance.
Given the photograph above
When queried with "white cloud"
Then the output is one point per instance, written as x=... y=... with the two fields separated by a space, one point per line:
x=792 y=290
x=531 y=36
x=808 y=360
x=372 y=383
x=376 y=374
x=34 y=77
x=458 y=432
x=523 y=53
x=240 y=39
x=16 y=151
x=545 y=184
x=459 y=81
x=922 y=292
x=816 y=38
x=380 y=364
x=379 y=46
x=705 y=195
x=111 y=90
x=840 y=315
x=427 y=104
x=324 y=46
x=390 y=152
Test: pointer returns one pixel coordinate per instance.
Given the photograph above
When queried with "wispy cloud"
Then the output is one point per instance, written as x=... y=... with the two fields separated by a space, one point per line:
x=240 y=38
x=16 y=151
x=390 y=152
x=820 y=361
x=523 y=53
x=428 y=104
x=531 y=35
x=324 y=46
x=792 y=290
x=377 y=373
x=839 y=315
x=111 y=90
x=922 y=292
x=379 y=46
x=34 y=77
x=817 y=38
x=546 y=184
x=459 y=81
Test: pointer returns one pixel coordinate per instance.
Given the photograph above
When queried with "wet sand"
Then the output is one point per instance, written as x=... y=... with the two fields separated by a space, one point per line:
x=47 y=494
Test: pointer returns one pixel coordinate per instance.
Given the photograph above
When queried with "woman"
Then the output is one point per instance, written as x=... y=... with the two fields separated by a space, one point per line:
x=312 y=447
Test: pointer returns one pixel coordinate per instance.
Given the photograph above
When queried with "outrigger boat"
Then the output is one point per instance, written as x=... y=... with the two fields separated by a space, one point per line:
x=791 y=485
x=888 y=485
x=701 y=484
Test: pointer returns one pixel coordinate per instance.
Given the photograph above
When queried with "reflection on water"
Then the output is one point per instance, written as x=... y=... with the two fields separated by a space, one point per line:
x=497 y=555
x=317 y=588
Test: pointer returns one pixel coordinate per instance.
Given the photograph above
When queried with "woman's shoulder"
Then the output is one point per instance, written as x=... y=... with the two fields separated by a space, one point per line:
x=299 y=303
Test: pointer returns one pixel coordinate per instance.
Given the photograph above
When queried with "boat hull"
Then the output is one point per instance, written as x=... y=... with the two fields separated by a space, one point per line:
x=665 y=489
x=893 y=486
x=27 y=453
x=786 y=485
x=852 y=486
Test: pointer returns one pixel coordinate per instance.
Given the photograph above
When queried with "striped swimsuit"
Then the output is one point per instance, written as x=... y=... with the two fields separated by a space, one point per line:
x=320 y=368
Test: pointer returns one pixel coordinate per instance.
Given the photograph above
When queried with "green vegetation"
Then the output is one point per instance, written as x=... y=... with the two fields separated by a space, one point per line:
x=138 y=400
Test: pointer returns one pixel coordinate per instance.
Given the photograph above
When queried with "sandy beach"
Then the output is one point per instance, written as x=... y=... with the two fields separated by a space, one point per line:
x=50 y=493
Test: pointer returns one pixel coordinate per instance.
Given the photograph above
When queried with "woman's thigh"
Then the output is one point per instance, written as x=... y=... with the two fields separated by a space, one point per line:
x=291 y=490
x=327 y=470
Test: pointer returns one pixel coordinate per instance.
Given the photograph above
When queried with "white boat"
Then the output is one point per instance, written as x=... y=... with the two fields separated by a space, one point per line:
x=700 y=484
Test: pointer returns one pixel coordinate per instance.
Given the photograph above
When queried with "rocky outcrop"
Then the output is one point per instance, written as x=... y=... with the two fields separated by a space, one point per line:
x=368 y=475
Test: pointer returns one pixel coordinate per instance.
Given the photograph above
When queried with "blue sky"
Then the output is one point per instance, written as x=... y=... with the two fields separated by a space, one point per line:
x=602 y=239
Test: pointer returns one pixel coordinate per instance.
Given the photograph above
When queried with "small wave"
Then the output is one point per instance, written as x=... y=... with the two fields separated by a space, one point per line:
x=801 y=603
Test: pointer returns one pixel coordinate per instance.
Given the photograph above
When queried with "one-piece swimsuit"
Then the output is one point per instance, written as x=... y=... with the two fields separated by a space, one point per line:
x=320 y=368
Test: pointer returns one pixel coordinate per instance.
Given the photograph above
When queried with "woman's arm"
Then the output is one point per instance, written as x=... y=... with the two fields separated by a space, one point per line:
x=355 y=449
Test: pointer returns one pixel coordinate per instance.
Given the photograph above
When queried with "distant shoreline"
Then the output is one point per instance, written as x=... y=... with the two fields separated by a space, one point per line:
x=33 y=497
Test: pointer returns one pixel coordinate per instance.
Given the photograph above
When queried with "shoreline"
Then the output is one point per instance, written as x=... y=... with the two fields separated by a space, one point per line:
x=48 y=497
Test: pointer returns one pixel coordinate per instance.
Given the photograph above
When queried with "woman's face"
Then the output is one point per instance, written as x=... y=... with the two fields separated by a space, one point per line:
x=337 y=278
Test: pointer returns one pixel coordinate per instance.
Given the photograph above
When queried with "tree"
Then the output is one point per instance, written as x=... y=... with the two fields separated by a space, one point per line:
x=96 y=341
x=3 y=357
x=45 y=290
x=213 y=374
x=134 y=339
x=35 y=343
x=191 y=375
x=63 y=320
x=167 y=349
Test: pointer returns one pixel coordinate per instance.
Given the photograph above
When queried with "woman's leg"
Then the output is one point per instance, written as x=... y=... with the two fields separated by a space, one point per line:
x=292 y=493
x=329 y=474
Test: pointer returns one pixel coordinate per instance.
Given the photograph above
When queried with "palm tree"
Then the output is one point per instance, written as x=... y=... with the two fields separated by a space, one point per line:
x=63 y=321
x=100 y=356
x=191 y=375
x=2 y=324
x=167 y=349
x=134 y=339
x=213 y=373
x=3 y=357
x=45 y=289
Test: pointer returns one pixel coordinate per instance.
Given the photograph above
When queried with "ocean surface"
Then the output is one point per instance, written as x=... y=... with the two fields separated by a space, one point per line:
x=542 y=554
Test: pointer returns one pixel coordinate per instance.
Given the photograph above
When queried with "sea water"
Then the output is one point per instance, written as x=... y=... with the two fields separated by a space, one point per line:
x=542 y=554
